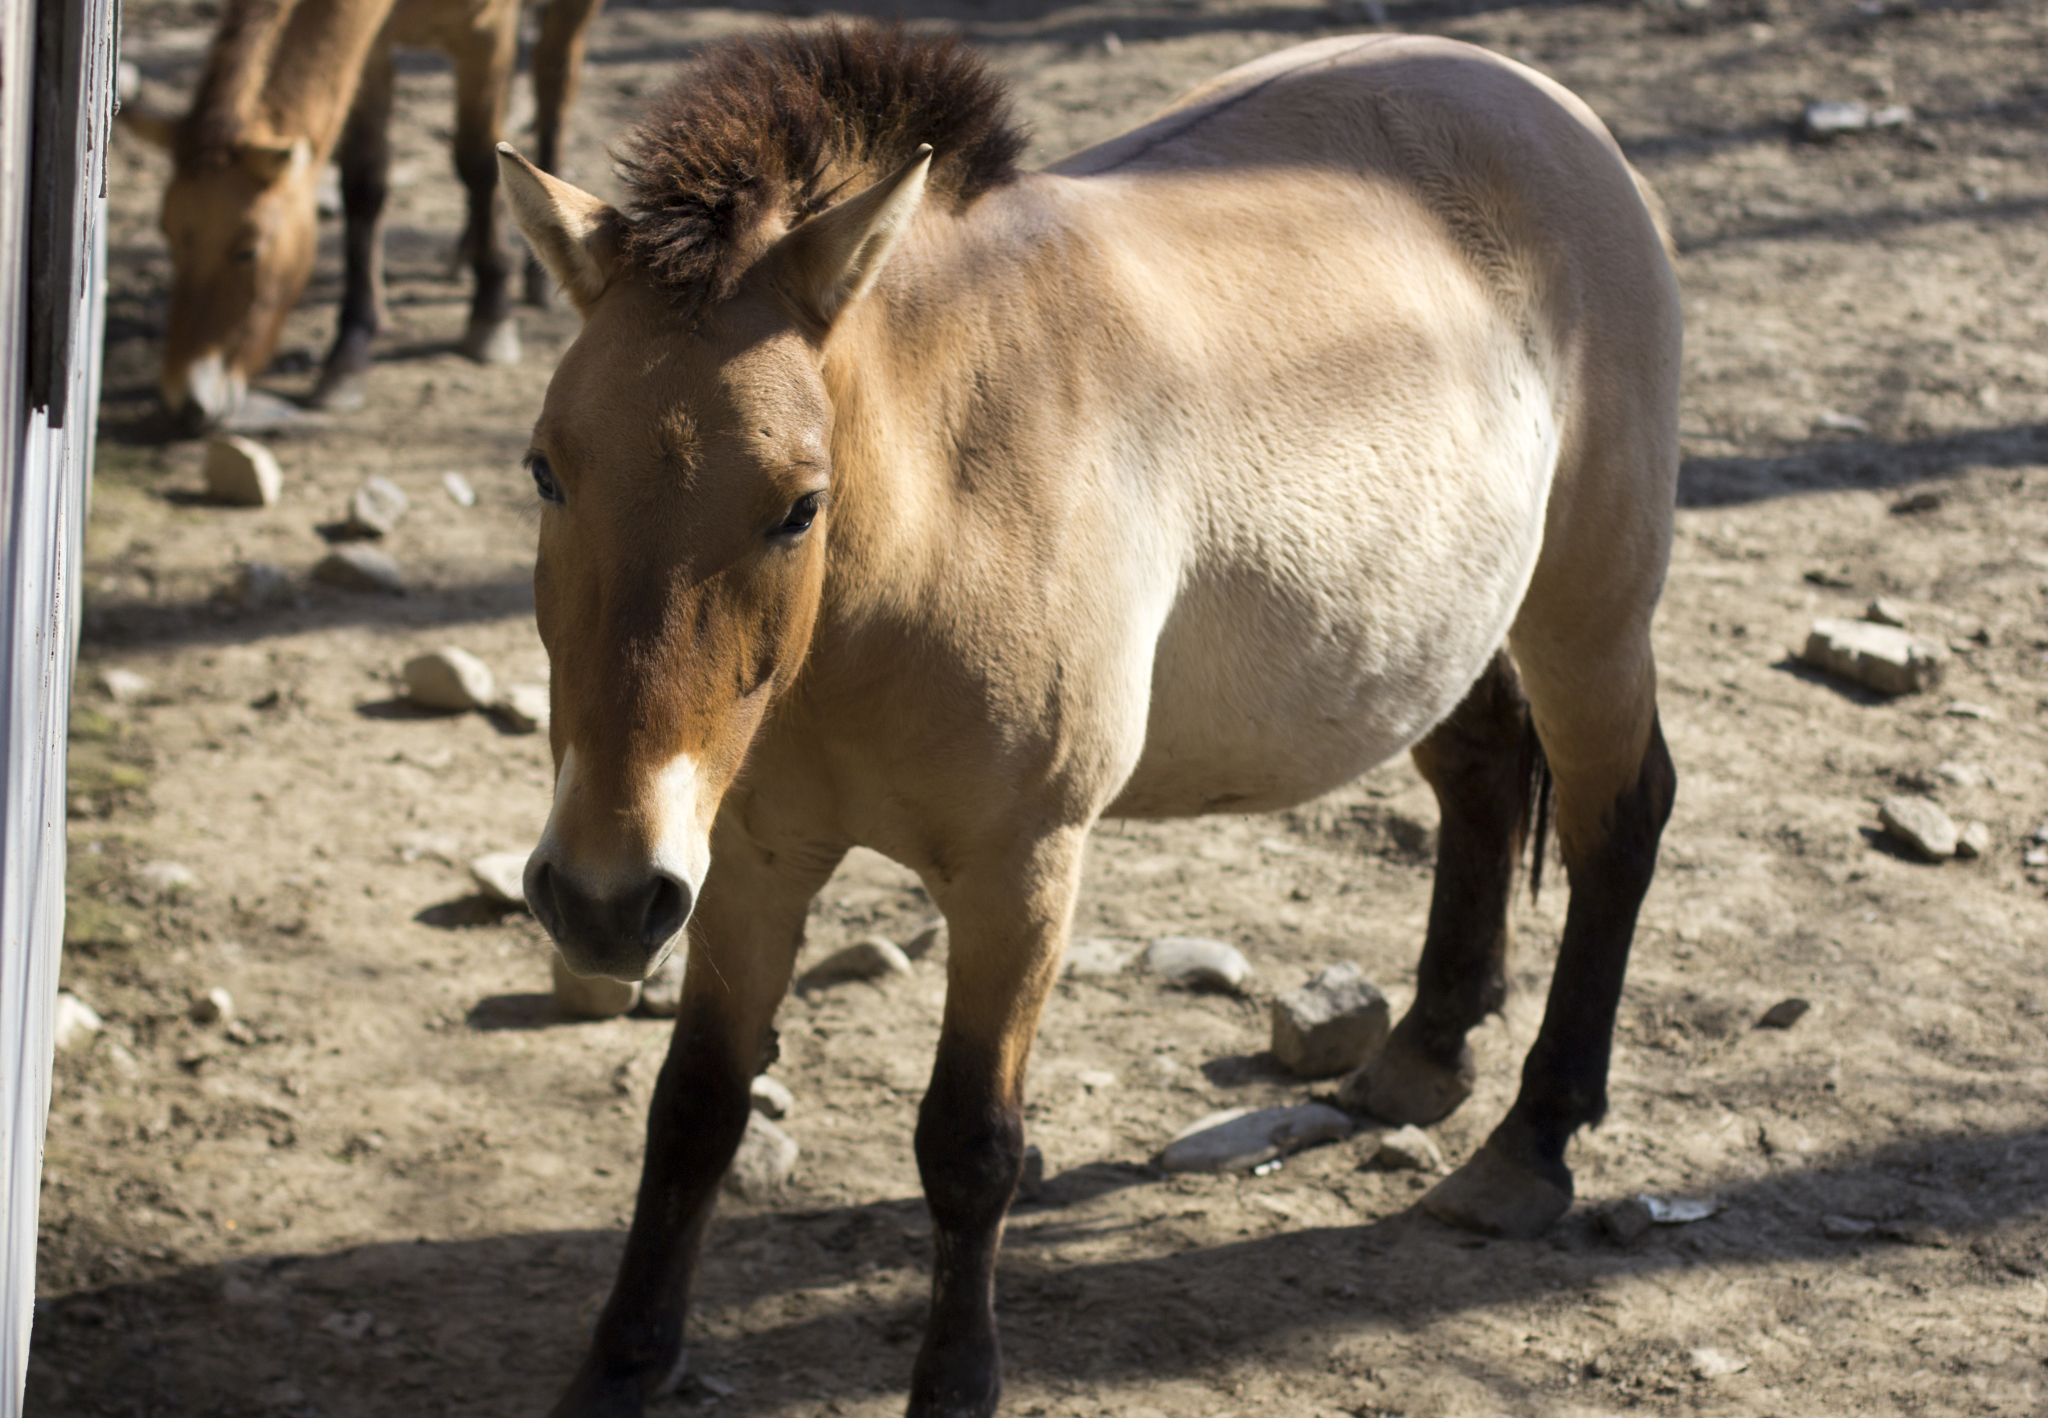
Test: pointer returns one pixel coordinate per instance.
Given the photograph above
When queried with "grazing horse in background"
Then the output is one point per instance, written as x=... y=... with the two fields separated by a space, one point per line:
x=286 y=83
x=894 y=496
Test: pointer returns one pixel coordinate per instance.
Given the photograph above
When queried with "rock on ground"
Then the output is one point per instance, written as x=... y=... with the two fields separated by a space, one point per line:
x=216 y=1006
x=871 y=959
x=931 y=939
x=1784 y=1014
x=1330 y=1025
x=124 y=686
x=376 y=508
x=1879 y=657
x=1920 y=825
x=360 y=568
x=522 y=708
x=1195 y=963
x=241 y=472
x=591 y=997
x=1242 y=1138
x=1973 y=840
x=449 y=679
x=661 y=994
x=770 y=1099
x=1408 y=1149
x=74 y=1023
x=1031 y=1181
x=501 y=876
x=459 y=490
x=261 y=584
x=766 y=1157
x=1094 y=957
x=165 y=879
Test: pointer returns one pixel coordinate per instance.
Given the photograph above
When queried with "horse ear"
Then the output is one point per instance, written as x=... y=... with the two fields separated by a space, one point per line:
x=832 y=259
x=159 y=130
x=574 y=234
x=268 y=159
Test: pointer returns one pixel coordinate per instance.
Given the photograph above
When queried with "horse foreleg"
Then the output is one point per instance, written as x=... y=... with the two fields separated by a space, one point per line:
x=743 y=941
x=483 y=77
x=1476 y=761
x=1007 y=926
x=557 y=72
x=365 y=158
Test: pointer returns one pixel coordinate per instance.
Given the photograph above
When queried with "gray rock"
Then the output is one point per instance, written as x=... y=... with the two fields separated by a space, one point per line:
x=459 y=490
x=260 y=585
x=1094 y=957
x=871 y=959
x=1882 y=612
x=216 y=1006
x=165 y=880
x=1963 y=775
x=1879 y=657
x=770 y=1099
x=1195 y=963
x=124 y=686
x=1330 y=1025
x=1242 y=1138
x=766 y=1157
x=360 y=568
x=1626 y=1221
x=1845 y=1228
x=376 y=508
x=1920 y=825
x=1822 y=122
x=449 y=679
x=1973 y=840
x=591 y=997
x=931 y=939
x=241 y=472
x=1408 y=1149
x=1031 y=1181
x=74 y=1024
x=661 y=994
x=1784 y=1014
x=522 y=708
x=501 y=876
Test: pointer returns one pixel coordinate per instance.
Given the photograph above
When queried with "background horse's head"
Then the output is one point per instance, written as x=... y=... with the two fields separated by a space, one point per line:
x=683 y=462
x=242 y=223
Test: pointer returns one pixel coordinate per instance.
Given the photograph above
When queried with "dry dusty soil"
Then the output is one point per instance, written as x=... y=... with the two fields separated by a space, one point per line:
x=397 y=1185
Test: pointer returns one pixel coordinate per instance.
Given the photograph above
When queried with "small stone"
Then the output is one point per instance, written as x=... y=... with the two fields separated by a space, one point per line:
x=1973 y=840
x=459 y=490
x=1882 y=612
x=2035 y=857
x=1822 y=122
x=591 y=997
x=766 y=1157
x=931 y=939
x=871 y=959
x=1194 y=963
x=1243 y=1138
x=360 y=568
x=1713 y=1364
x=241 y=472
x=124 y=686
x=1919 y=824
x=1784 y=1014
x=1845 y=1228
x=1963 y=775
x=261 y=584
x=522 y=708
x=501 y=876
x=661 y=994
x=1626 y=1221
x=165 y=880
x=216 y=1006
x=449 y=679
x=1094 y=957
x=1408 y=1149
x=74 y=1022
x=1879 y=657
x=1031 y=1181
x=1963 y=709
x=770 y=1099
x=376 y=508
x=1330 y=1025
x=1926 y=500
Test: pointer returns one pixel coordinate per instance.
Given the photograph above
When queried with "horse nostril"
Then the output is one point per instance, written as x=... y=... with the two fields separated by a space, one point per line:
x=540 y=897
x=192 y=417
x=668 y=906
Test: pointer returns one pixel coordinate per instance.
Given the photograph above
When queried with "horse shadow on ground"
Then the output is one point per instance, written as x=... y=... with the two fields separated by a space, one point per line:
x=800 y=1305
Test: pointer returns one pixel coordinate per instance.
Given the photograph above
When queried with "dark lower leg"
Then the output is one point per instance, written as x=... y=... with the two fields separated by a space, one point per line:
x=365 y=159
x=1476 y=763
x=557 y=70
x=970 y=1152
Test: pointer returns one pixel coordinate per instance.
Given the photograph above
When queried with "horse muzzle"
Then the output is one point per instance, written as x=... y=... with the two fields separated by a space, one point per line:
x=624 y=931
x=204 y=394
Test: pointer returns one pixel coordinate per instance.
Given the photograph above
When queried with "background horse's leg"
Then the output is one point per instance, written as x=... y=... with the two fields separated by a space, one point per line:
x=365 y=157
x=1484 y=776
x=557 y=71
x=744 y=939
x=483 y=77
x=1007 y=924
x=1595 y=708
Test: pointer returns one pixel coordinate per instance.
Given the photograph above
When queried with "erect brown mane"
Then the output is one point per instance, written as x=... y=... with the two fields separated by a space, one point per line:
x=785 y=125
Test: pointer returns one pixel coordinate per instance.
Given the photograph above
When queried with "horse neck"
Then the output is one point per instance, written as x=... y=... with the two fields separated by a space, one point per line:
x=288 y=69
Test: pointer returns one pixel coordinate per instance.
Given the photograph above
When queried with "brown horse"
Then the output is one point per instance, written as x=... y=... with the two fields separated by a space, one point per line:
x=894 y=496
x=286 y=82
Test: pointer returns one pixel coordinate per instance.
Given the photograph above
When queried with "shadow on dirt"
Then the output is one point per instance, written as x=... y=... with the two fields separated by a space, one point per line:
x=402 y=1327
x=1857 y=462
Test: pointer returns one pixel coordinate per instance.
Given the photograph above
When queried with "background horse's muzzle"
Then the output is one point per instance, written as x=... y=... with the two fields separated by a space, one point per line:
x=620 y=934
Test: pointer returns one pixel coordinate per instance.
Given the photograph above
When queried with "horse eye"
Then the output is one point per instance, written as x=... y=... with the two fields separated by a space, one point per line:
x=544 y=479
x=245 y=257
x=801 y=515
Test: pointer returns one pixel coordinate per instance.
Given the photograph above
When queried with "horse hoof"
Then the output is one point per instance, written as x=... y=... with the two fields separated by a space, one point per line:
x=489 y=342
x=1497 y=1196
x=338 y=393
x=1399 y=1085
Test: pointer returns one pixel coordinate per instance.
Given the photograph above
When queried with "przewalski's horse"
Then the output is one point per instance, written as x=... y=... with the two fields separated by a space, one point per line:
x=894 y=496
x=286 y=83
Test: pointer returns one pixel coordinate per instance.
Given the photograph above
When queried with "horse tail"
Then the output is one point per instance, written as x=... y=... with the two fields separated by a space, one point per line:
x=1538 y=803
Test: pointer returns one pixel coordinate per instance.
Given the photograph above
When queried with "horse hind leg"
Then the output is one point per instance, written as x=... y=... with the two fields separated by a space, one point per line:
x=557 y=72
x=1483 y=765
x=365 y=159
x=483 y=77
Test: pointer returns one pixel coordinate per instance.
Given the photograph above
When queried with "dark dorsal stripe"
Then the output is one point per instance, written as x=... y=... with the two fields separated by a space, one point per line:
x=784 y=125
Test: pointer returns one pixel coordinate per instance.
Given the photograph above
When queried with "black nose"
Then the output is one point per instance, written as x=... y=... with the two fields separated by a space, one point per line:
x=618 y=933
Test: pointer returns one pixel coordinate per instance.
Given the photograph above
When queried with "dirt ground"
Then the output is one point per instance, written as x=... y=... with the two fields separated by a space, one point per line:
x=398 y=1184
